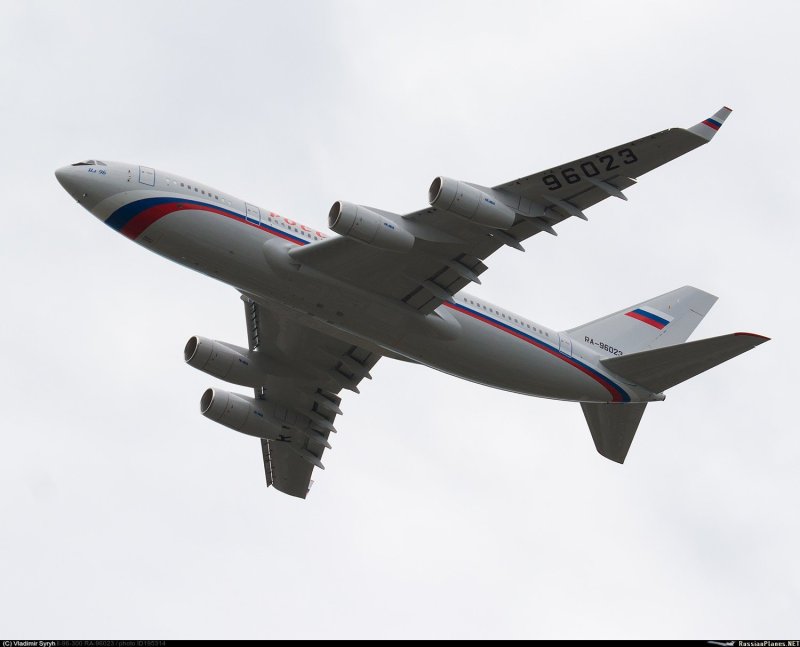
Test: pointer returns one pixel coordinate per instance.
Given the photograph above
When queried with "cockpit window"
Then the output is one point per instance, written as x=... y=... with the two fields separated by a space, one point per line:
x=90 y=163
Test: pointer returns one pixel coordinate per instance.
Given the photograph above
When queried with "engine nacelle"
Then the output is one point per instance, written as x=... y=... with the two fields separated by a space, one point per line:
x=366 y=226
x=259 y=418
x=470 y=203
x=225 y=361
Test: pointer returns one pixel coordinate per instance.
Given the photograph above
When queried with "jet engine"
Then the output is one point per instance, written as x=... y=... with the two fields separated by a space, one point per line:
x=366 y=226
x=468 y=202
x=225 y=361
x=259 y=418
x=239 y=412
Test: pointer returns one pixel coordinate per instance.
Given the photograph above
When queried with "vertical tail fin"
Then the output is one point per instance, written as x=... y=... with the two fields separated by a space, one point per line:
x=662 y=321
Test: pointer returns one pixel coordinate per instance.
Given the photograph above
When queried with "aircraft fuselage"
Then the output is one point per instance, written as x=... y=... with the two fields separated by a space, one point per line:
x=245 y=246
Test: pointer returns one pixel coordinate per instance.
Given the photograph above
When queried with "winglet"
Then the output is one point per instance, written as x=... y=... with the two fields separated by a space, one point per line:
x=709 y=127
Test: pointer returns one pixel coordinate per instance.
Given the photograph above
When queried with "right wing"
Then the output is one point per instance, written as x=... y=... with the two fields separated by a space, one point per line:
x=572 y=187
x=450 y=250
x=310 y=368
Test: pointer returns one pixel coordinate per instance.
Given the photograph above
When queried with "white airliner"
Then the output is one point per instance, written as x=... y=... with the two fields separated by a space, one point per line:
x=320 y=311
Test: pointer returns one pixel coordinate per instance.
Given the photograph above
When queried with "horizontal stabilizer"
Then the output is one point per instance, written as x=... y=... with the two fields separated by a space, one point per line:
x=662 y=368
x=613 y=427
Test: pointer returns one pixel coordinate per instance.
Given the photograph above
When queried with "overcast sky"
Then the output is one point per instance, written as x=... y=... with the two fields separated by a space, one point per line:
x=447 y=509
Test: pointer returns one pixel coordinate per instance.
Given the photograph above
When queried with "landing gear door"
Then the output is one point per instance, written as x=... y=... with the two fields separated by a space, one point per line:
x=565 y=344
x=252 y=214
x=147 y=176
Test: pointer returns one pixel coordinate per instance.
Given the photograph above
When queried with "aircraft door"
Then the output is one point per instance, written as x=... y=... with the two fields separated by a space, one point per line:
x=565 y=344
x=253 y=214
x=147 y=176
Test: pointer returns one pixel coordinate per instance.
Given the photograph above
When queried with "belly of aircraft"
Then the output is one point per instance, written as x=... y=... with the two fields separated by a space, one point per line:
x=233 y=253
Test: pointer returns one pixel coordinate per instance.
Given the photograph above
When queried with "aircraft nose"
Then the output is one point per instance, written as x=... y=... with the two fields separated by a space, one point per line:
x=67 y=178
x=61 y=174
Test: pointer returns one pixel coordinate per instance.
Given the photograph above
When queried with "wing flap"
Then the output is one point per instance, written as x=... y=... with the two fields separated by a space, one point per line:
x=286 y=471
x=310 y=370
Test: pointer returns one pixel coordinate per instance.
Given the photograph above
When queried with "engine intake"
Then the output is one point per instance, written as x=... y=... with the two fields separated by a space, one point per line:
x=366 y=226
x=468 y=202
x=225 y=361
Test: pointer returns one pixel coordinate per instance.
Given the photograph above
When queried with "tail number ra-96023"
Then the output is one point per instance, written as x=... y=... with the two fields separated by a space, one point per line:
x=603 y=346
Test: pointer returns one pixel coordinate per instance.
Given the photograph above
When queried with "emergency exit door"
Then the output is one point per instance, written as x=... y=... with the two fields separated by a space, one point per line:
x=147 y=176
x=565 y=343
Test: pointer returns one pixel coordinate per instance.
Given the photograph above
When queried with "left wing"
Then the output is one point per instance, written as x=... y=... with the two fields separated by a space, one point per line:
x=449 y=249
x=310 y=368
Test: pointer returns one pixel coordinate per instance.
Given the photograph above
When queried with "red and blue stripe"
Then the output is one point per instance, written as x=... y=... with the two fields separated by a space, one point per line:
x=648 y=317
x=134 y=218
x=713 y=123
x=617 y=392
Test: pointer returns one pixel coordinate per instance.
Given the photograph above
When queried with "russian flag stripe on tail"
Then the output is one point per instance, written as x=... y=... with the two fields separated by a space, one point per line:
x=649 y=318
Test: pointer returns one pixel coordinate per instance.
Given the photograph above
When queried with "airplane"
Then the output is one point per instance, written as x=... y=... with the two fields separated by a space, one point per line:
x=320 y=310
